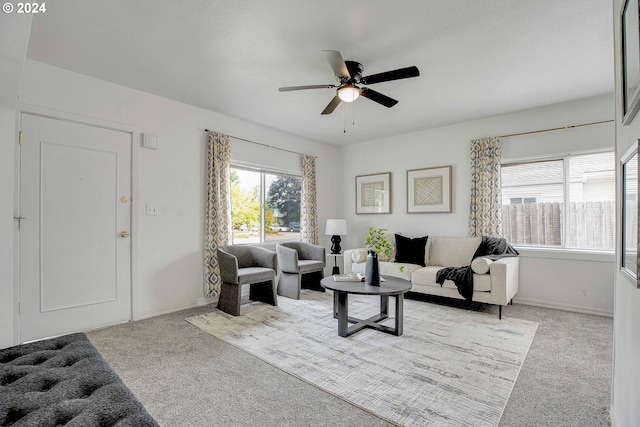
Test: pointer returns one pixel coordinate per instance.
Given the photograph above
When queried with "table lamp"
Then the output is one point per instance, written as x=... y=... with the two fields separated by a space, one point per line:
x=336 y=228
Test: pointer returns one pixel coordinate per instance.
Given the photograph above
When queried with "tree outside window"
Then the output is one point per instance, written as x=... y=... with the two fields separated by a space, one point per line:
x=284 y=198
x=245 y=205
x=278 y=194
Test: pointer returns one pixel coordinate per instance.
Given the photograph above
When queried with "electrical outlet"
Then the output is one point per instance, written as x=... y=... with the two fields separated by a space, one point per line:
x=151 y=210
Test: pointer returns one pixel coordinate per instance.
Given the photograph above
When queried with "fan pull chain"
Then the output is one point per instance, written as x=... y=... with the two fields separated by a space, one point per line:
x=344 y=119
x=353 y=113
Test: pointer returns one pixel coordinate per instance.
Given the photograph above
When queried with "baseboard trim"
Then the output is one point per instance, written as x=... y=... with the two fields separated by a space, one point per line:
x=197 y=303
x=565 y=307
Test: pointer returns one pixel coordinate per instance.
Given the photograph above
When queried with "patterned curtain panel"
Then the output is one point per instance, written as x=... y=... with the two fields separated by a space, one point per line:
x=309 y=202
x=485 y=215
x=218 y=214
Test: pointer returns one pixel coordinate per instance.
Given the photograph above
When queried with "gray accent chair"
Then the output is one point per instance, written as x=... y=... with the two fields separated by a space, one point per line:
x=300 y=265
x=246 y=265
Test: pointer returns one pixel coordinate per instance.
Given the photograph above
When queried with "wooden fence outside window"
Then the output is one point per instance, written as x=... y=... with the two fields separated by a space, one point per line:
x=592 y=224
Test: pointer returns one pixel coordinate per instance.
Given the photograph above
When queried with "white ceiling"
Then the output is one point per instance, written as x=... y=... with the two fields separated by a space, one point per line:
x=476 y=58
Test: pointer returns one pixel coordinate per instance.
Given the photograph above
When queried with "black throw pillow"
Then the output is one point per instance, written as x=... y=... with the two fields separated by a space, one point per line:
x=409 y=250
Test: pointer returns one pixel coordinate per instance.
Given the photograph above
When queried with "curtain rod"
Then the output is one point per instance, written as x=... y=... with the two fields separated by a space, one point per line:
x=265 y=145
x=560 y=128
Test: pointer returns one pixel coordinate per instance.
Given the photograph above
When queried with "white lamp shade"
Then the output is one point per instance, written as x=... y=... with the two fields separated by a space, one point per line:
x=336 y=227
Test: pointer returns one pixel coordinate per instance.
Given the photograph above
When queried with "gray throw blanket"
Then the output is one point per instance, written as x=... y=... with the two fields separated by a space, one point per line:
x=491 y=247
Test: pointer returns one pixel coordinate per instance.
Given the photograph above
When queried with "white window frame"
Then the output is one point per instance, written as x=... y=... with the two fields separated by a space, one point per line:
x=565 y=252
x=262 y=171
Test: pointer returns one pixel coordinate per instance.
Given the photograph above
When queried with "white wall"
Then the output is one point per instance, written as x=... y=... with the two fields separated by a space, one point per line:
x=625 y=411
x=575 y=284
x=170 y=254
x=14 y=33
x=567 y=280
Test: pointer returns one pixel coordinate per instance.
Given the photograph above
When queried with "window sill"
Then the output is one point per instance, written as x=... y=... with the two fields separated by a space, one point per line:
x=569 y=254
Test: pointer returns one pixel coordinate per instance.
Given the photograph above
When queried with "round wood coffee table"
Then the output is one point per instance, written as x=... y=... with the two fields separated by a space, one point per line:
x=392 y=286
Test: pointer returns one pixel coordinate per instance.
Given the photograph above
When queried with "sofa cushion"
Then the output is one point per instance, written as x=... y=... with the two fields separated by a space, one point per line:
x=410 y=250
x=395 y=269
x=481 y=265
x=307 y=265
x=255 y=274
x=426 y=276
x=452 y=251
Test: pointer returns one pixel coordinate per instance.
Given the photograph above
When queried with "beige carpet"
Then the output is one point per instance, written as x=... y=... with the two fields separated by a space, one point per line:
x=451 y=367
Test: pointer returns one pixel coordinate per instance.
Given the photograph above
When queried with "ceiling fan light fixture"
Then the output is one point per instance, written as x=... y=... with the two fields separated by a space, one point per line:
x=349 y=75
x=348 y=93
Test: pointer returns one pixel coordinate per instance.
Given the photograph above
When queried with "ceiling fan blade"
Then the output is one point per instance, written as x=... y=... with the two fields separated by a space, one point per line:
x=332 y=105
x=337 y=63
x=288 y=88
x=378 y=97
x=401 y=73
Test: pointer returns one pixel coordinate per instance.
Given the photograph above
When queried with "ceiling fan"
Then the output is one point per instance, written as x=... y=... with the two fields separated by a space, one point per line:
x=349 y=74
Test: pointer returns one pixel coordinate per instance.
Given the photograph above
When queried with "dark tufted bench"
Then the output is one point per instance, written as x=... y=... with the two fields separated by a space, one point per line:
x=64 y=381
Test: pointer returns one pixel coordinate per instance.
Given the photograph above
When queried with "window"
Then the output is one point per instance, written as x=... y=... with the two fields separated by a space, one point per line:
x=265 y=206
x=566 y=203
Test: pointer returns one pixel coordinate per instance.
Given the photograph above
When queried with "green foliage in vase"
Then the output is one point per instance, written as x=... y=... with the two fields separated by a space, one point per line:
x=377 y=241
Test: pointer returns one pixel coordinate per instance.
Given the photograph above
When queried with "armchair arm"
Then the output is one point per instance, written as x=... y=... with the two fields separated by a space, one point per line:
x=228 y=267
x=264 y=257
x=288 y=259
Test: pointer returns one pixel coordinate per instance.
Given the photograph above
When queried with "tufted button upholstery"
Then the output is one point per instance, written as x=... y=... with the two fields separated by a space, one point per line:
x=64 y=381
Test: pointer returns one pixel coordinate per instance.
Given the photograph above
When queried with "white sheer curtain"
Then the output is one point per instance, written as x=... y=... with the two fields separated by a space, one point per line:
x=218 y=208
x=309 y=202
x=485 y=213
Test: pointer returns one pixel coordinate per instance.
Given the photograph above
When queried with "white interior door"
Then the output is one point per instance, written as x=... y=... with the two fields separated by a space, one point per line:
x=75 y=252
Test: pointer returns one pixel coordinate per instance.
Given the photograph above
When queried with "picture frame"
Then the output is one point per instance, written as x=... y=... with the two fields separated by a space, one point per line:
x=429 y=190
x=629 y=261
x=630 y=46
x=373 y=193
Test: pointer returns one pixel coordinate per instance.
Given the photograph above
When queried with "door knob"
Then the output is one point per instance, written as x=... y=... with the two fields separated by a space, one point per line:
x=124 y=234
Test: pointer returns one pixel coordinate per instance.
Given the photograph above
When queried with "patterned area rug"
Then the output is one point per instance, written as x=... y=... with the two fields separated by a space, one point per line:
x=451 y=367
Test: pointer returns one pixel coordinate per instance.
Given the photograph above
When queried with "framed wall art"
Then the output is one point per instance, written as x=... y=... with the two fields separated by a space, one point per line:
x=429 y=190
x=373 y=194
x=629 y=240
x=630 y=60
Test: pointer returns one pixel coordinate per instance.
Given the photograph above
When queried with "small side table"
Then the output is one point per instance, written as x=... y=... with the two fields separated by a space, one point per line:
x=336 y=268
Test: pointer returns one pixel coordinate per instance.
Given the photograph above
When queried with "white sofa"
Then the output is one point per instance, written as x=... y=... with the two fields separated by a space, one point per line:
x=494 y=282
